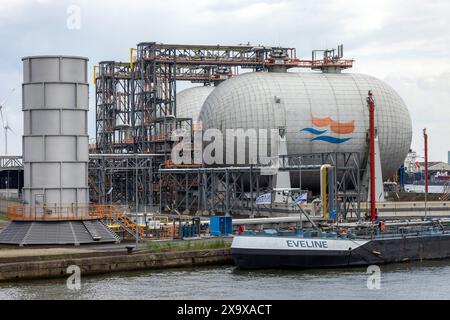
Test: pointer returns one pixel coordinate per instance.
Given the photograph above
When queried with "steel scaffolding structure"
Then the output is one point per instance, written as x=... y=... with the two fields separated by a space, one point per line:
x=113 y=108
x=230 y=190
x=124 y=179
x=11 y=172
x=136 y=106
x=154 y=106
x=136 y=101
x=11 y=163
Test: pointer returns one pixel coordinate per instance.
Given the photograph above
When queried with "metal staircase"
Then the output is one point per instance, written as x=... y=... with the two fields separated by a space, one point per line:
x=126 y=223
x=115 y=234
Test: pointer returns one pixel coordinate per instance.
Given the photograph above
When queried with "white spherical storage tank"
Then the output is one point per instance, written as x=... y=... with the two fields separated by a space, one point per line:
x=190 y=101
x=322 y=112
x=55 y=140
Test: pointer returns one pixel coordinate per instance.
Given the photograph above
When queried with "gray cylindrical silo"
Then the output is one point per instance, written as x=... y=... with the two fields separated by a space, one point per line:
x=55 y=140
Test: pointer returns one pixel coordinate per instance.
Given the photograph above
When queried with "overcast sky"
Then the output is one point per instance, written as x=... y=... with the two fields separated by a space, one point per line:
x=405 y=43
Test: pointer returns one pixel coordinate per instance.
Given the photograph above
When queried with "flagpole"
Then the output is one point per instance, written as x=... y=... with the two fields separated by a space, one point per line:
x=301 y=219
x=300 y=188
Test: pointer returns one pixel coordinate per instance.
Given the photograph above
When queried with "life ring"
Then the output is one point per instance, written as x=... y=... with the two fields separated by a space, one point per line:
x=382 y=226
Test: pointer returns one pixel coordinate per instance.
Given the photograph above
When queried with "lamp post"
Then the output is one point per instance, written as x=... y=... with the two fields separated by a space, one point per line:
x=371 y=104
x=137 y=203
x=425 y=142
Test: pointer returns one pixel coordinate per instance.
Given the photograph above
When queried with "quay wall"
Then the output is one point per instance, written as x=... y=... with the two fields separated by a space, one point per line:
x=27 y=270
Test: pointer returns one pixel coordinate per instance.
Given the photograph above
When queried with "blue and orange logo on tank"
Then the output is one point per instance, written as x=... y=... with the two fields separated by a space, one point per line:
x=334 y=127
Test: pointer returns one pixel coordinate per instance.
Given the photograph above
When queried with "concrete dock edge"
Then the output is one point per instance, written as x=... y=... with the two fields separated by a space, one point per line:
x=28 y=270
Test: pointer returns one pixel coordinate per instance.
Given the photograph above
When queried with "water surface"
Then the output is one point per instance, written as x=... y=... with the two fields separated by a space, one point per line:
x=421 y=280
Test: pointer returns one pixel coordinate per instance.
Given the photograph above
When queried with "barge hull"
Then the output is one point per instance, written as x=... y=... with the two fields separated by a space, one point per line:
x=377 y=251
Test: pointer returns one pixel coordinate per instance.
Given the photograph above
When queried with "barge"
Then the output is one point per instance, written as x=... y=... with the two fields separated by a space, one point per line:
x=357 y=246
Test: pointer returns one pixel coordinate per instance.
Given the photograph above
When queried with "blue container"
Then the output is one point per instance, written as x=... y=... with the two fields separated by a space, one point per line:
x=270 y=232
x=182 y=232
x=220 y=226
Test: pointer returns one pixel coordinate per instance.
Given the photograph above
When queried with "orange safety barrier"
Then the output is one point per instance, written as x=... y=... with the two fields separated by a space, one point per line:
x=56 y=212
x=49 y=212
